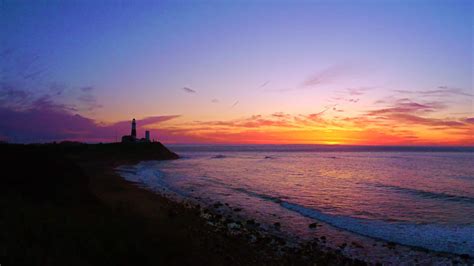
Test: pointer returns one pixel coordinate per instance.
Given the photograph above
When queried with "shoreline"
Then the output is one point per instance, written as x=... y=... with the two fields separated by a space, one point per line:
x=69 y=206
x=330 y=239
x=261 y=247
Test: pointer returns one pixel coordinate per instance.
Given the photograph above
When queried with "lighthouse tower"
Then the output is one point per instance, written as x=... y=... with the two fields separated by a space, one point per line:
x=134 y=129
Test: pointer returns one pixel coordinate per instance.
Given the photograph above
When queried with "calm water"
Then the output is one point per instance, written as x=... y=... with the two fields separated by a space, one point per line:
x=415 y=197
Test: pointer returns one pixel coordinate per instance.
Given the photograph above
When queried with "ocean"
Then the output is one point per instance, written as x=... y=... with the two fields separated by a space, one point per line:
x=414 y=196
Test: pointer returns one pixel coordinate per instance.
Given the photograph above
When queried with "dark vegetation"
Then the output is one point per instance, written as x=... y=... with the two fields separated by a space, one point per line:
x=63 y=204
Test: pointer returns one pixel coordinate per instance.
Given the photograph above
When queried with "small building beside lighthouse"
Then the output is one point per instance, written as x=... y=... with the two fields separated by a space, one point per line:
x=147 y=136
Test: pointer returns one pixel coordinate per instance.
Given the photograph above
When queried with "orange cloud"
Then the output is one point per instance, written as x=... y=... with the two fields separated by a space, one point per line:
x=388 y=126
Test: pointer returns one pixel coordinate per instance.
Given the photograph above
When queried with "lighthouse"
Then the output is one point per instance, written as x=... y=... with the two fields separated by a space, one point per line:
x=134 y=129
x=132 y=138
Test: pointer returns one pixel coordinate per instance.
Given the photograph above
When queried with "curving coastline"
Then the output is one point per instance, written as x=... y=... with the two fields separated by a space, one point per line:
x=375 y=242
x=65 y=204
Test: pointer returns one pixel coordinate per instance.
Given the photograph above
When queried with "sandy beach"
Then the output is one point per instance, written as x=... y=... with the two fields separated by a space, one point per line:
x=65 y=204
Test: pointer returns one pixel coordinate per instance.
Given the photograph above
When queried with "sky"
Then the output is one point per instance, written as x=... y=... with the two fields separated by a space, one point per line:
x=311 y=72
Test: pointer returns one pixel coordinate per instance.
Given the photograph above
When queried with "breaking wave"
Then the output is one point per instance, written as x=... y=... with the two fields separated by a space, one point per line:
x=427 y=194
x=454 y=239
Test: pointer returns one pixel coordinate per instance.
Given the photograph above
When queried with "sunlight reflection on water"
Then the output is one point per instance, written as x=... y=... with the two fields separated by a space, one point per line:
x=396 y=196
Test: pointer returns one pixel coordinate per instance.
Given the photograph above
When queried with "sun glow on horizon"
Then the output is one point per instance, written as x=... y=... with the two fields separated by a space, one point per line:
x=324 y=72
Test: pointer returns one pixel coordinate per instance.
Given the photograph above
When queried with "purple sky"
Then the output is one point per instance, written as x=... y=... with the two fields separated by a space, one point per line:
x=77 y=69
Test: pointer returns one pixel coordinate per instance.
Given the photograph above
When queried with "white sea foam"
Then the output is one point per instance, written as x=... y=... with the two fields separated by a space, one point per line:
x=453 y=239
x=424 y=201
x=149 y=177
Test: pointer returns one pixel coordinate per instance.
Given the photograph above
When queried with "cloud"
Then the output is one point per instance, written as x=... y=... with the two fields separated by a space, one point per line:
x=404 y=111
x=400 y=121
x=40 y=125
x=317 y=116
x=325 y=76
x=214 y=101
x=19 y=92
x=356 y=91
x=279 y=120
x=469 y=120
x=48 y=122
x=264 y=84
x=329 y=75
x=34 y=74
x=87 y=89
x=14 y=96
x=34 y=111
x=88 y=102
x=281 y=115
x=86 y=98
x=46 y=102
x=151 y=123
x=286 y=128
x=10 y=96
x=45 y=123
x=441 y=91
x=188 y=90
x=37 y=114
x=347 y=95
x=406 y=105
x=380 y=102
x=417 y=120
x=284 y=90
x=57 y=89
x=21 y=66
